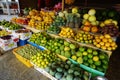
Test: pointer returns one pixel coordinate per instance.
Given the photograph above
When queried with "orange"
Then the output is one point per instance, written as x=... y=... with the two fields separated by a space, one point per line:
x=101 y=43
x=109 y=48
x=98 y=45
x=113 y=44
x=101 y=37
x=107 y=36
x=103 y=47
x=98 y=40
x=107 y=44
x=110 y=40
x=104 y=40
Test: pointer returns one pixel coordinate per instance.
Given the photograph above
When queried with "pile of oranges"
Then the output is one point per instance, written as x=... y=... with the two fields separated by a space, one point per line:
x=105 y=42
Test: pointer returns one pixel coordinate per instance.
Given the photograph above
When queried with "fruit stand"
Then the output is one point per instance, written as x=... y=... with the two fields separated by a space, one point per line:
x=74 y=44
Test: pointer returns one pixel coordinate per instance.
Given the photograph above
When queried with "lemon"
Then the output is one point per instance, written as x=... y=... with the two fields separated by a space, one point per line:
x=101 y=43
x=103 y=47
x=104 y=40
x=109 y=48
x=95 y=58
x=107 y=44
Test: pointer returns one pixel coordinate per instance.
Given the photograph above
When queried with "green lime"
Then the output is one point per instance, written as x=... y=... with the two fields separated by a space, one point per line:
x=78 y=54
x=86 y=63
x=92 y=66
x=105 y=62
x=95 y=58
x=101 y=56
x=100 y=69
x=90 y=56
x=97 y=63
x=95 y=52
x=90 y=61
x=89 y=50
x=82 y=49
x=85 y=58
x=62 y=47
x=105 y=66
x=80 y=60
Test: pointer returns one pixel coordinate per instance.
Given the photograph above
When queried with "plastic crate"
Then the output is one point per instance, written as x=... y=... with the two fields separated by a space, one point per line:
x=39 y=47
x=22 y=59
x=22 y=42
x=92 y=71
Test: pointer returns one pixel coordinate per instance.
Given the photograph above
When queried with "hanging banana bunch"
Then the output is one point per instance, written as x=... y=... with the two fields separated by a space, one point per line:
x=69 y=2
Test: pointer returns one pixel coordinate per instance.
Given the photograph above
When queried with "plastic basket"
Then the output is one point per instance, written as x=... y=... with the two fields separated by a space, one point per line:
x=92 y=71
x=39 y=47
x=22 y=59
x=22 y=42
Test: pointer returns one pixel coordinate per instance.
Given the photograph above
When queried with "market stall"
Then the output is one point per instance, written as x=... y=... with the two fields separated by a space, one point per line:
x=73 y=44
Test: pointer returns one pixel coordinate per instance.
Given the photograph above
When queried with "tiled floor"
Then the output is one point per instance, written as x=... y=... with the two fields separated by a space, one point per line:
x=12 y=69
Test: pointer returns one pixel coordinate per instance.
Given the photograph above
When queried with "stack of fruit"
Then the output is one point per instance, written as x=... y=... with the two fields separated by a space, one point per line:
x=40 y=39
x=10 y=25
x=110 y=27
x=89 y=21
x=40 y=20
x=20 y=20
x=66 y=32
x=84 y=37
x=43 y=58
x=66 y=71
x=105 y=42
x=27 y=51
x=91 y=58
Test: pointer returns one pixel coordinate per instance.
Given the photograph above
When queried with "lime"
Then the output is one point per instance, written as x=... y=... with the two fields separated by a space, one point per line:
x=97 y=63
x=100 y=69
x=72 y=46
x=57 y=51
x=74 y=57
x=105 y=62
x=80 y=60
x=105 y=66
x=81 y=49
x=95 y=52
x=101 y=56
x=62 y=53
x=92 y=66
x=78 y=54
x=89 y=50
x=95 y=58
x=85 y=58
x=66 y=48
x=86 y=63
x=90 y=56
x=85 y=53
x=90 y=61
x=62 y=47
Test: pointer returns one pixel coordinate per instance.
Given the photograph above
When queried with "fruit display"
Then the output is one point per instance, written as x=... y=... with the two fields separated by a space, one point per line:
x=66 y=32
x=110 y=29
x=89 y=22
x=4 y=33
x=65 y=70
x=43 y=58
x=92 y=58
x=105 y=42
x=84 y=37
x=7 y=37
x=27 y=51
x=58 y=46
x=10 y=25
